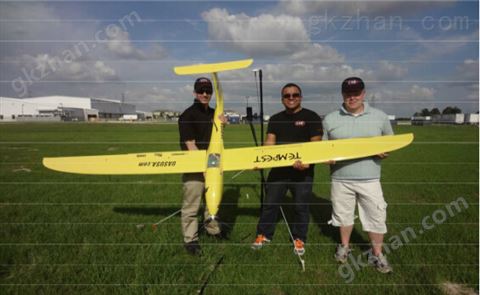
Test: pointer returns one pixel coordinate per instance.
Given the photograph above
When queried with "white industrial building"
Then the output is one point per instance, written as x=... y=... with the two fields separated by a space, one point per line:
x=145 y=115
x=65 y=108
x=456 y=119
x=11 y=109
x=472 y=119
x=448 y=118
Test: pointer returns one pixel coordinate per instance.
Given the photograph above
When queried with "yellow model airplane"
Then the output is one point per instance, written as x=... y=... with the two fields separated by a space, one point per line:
x=214 y=161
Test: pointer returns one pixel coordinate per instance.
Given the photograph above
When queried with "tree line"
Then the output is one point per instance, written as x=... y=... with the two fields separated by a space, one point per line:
x=435 y=111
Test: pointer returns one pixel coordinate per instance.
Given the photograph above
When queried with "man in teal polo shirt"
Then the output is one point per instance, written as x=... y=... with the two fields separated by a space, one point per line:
x=358 y=180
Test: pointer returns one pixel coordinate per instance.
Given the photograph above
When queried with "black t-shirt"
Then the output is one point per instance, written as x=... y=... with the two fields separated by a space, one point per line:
x=195 y=123
x=294 y=128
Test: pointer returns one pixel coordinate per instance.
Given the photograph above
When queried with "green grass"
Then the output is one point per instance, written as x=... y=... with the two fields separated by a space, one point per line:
x=65 y=233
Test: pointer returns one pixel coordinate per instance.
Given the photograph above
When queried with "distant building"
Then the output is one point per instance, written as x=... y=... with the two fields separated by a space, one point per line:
x=232 y=117
x=457 y=119
x=129 y=117
x=78 y=114
x=392 y=119
x=421 y=120
x=112 y=109
x=145 y=116
x=166 y=115
x=449 y=119
x=12 y=109
x=471 y=119
x=65 y=108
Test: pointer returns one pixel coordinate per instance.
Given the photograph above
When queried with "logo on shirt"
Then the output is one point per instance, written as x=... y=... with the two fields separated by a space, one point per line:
x=299 y=123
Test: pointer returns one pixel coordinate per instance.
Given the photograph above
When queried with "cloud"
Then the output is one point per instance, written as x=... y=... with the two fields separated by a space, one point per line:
x=121 y=46
x=435 y=48
x=265 y=35
x=399 y=93
x=160 y=97
x=49 y=26
x=52 y=25
x=45 y=67
x=104 y=71
x=389 y=71
x=308 y=73
x=254 y=35
x=418 y=92
x=316 y=53
x=385 y=7
x=23 y=29
x=467 y=72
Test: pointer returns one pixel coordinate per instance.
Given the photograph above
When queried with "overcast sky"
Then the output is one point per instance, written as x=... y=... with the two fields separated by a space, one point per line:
x=411 y=54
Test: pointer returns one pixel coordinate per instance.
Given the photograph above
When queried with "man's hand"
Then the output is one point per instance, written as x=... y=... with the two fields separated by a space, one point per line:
x=382 y=155
x=299 y=166
x=223 y=119
x=330 y=162
x=191 y=145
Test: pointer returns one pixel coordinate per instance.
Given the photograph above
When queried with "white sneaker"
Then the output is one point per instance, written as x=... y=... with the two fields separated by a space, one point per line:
x=342 y=253
x=379 y=262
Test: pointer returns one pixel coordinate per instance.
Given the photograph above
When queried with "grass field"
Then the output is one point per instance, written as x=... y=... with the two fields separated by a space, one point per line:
x=64 y=233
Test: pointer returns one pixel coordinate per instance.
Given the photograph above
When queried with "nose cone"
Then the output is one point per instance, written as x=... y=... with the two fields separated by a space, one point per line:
x=213 y=197
x=211 y=218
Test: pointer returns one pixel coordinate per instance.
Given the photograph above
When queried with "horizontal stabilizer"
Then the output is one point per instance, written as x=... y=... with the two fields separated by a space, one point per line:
x=311 y=152
x=212 y=68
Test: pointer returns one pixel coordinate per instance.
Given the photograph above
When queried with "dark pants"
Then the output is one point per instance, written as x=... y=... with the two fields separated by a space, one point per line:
x=301 y=190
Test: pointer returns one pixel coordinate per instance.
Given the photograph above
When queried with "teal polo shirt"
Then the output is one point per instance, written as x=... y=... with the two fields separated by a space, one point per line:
x=341 y=124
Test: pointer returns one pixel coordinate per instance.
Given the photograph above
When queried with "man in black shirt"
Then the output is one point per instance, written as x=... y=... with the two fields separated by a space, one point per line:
x=294 y=124
x=195 y=126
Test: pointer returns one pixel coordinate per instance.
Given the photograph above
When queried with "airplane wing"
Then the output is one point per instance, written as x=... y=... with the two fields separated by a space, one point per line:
x=233 y=159
x=311 y=152
x=144 y=163
x=213 y=68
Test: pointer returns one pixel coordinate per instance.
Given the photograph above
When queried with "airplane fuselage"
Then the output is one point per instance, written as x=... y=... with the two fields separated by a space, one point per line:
x=214 y=169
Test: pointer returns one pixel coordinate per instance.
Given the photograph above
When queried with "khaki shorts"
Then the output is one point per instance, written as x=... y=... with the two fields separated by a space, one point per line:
x=372 y=208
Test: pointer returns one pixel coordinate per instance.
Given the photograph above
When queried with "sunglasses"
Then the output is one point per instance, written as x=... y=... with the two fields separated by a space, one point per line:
x=204 y=90
x=288 y=95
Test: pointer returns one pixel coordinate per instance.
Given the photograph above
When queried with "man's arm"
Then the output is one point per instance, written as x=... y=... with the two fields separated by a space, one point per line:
x=186 y=130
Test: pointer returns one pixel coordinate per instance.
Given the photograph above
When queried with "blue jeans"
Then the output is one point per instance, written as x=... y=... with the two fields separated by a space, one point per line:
x=301 y=190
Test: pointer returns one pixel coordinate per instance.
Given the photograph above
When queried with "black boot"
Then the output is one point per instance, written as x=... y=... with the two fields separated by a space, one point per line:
x=193 y=248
